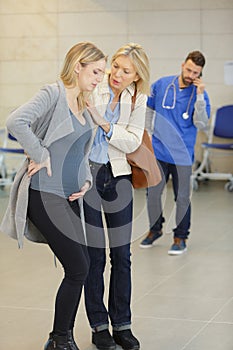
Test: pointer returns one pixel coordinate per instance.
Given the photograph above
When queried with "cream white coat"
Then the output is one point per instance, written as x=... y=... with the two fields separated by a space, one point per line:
x=128 y=131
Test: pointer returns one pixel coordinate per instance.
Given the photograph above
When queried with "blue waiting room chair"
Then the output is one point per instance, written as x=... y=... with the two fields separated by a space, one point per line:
x=221 y=128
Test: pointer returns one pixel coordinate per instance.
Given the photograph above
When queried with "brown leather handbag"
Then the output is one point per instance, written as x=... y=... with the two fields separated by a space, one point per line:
x=144 y=167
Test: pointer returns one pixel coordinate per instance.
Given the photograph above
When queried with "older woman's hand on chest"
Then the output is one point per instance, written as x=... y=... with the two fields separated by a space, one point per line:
x=97 y=118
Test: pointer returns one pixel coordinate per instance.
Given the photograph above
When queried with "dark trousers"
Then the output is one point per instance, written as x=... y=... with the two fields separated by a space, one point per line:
x=59 y=222
x=181 y=187
x=114 y=197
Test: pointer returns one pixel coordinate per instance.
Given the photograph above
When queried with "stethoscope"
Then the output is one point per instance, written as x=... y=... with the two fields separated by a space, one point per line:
x=172 y=86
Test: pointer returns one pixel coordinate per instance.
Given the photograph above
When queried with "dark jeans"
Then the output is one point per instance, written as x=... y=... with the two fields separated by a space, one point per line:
x=181 y=188
x=59 y=222
x=114 y=196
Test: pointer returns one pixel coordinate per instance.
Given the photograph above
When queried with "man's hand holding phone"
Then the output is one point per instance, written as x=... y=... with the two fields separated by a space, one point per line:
x=200 y=85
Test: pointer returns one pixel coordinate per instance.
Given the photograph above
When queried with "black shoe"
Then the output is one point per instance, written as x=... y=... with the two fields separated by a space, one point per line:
x=71 y=341
x=103 y=340
x=57 y=342
x=126 y=339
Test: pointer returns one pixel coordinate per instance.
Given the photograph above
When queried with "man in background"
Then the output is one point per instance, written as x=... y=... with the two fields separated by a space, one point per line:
x=177 y=107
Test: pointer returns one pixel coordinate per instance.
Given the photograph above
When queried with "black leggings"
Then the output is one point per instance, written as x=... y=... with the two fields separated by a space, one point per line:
x=59 y=222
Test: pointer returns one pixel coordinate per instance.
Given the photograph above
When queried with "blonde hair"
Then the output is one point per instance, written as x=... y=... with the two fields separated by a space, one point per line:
x=140 y=62
x=83 y=53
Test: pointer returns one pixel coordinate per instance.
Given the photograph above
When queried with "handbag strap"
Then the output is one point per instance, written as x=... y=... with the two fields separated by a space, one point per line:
x=134 y=98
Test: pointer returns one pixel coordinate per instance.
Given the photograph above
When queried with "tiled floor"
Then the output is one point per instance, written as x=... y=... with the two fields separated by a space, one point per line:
x=178 y=303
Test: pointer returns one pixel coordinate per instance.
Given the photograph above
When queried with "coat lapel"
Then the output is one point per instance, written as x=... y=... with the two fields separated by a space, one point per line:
x=60 y=124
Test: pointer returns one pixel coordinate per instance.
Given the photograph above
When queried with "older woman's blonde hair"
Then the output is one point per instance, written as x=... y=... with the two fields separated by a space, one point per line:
x=83 y=53
x=140 y=62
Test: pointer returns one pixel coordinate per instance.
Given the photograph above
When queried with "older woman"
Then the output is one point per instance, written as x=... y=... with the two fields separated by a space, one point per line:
x=120 y=130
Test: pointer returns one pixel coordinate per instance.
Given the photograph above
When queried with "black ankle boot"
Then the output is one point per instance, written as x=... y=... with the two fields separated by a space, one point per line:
x=58 y=342
x=103 y=340
x=126 y=339
x=71 y=341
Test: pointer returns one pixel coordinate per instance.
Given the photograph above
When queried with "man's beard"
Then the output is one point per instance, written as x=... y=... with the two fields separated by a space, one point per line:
x=185 y=82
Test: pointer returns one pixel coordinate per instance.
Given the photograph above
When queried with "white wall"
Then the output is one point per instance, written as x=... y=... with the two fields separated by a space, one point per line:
x=35 y=35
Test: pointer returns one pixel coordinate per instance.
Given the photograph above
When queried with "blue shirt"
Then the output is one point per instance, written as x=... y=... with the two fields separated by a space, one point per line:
x=174 y=137
x=99 y=151
x=67 y=156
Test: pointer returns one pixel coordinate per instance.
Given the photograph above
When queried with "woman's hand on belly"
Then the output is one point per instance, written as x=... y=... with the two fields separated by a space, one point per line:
x=81 y=193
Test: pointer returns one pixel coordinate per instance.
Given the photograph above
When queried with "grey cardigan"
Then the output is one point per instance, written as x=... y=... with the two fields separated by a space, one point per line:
x=36 y=124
